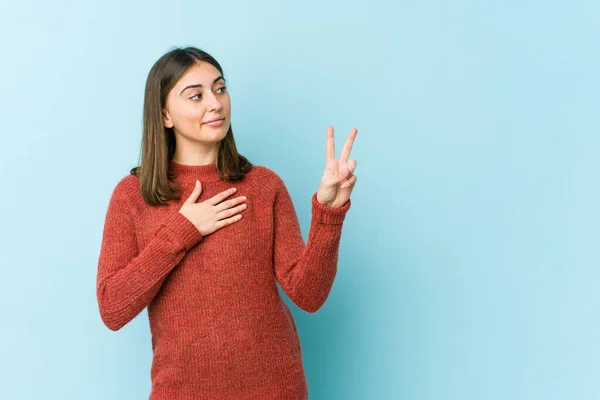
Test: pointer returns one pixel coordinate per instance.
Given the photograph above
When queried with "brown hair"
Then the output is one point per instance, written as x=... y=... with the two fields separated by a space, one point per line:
x=158 y=143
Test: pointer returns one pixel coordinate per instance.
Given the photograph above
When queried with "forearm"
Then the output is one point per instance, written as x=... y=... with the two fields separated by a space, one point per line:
x=307 y=272
x=309 y=281
x=123 y=294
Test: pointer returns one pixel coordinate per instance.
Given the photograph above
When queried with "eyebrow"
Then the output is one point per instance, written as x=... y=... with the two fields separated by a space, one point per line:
x=198 y=85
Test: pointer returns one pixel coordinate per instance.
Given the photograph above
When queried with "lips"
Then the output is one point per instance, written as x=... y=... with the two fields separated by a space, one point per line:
x=214 y=120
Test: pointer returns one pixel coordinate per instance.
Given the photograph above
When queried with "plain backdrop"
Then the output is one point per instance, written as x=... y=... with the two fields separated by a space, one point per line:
x=468 y=265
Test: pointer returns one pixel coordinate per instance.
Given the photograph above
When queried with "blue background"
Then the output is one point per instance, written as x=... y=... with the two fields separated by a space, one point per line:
x=469 y=261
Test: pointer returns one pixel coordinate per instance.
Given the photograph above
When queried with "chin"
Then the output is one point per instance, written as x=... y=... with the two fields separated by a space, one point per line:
x=214 y=134
x=223 y=130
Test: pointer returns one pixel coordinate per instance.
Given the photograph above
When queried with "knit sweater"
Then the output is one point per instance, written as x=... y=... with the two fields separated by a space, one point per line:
x=219 y=327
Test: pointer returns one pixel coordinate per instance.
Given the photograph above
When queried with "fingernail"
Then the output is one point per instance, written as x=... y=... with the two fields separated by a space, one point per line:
x=197 y=183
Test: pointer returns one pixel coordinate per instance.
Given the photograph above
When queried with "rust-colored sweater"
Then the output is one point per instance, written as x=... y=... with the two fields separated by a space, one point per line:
x=220 y=329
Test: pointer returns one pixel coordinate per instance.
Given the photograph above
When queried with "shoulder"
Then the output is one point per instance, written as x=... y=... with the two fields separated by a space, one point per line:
x=267 y=177
x=126 y=189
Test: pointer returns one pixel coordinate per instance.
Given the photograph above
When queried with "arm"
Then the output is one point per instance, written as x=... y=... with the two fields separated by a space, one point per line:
x=306 y=272
x=127 y=278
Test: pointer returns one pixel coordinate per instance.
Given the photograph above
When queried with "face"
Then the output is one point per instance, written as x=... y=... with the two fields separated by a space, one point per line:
x=198 y=107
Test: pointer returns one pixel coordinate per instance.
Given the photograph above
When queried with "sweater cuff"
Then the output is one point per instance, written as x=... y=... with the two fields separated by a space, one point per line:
x=183 y=228
x=327 y=214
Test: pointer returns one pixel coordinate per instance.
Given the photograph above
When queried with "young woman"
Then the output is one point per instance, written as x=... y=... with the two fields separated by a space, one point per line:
x=200 y=236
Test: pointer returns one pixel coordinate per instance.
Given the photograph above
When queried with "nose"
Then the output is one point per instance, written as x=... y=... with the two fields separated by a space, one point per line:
x=213 y=103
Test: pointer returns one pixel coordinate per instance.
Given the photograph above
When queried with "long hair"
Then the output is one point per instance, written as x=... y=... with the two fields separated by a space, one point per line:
x=158 y=142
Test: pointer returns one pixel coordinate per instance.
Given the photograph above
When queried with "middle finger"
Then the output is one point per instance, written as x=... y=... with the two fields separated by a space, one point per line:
x=348 y=145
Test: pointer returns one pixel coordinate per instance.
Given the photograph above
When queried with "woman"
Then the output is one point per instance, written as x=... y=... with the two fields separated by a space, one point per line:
x=199 y=235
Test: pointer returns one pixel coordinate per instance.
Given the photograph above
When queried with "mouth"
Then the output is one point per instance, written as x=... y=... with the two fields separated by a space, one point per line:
x=215 y=121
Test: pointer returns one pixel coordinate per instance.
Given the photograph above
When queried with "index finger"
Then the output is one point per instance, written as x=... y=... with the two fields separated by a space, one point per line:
x=330 y=153
x=219 y=197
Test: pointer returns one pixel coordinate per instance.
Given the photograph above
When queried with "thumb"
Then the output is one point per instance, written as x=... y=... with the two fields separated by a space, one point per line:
x=195 y=193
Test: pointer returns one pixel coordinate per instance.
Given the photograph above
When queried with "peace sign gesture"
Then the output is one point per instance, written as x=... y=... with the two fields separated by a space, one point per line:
x=338 y=179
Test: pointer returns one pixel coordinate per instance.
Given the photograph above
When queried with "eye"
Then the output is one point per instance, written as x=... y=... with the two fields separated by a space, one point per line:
x=222 y=89
x=196 y=97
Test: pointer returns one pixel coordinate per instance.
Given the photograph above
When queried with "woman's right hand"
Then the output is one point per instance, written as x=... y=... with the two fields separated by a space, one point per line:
x=214 y=213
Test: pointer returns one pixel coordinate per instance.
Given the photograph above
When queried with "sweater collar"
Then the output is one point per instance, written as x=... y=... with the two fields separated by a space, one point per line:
x=189 y=173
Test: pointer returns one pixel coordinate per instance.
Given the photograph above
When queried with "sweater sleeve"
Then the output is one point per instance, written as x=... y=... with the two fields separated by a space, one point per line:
x=306 y=272
x=128 y=278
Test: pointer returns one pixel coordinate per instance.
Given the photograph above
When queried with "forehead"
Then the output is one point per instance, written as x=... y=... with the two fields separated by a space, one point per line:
x=201 y=73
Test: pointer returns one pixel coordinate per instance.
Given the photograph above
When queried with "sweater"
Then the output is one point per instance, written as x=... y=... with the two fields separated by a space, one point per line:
x=219 y=327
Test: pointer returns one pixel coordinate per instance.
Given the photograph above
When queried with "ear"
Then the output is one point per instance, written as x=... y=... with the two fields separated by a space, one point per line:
x=167 y=119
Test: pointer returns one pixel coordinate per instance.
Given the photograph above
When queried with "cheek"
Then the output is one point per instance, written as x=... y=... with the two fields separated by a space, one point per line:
x=226 y=104
x=189 y=113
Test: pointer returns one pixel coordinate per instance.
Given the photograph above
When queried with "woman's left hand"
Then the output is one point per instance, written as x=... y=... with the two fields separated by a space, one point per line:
x=338 y=179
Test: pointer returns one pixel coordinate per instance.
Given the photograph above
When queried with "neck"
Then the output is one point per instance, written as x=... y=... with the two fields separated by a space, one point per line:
x=194 y=153
x=190 y=173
